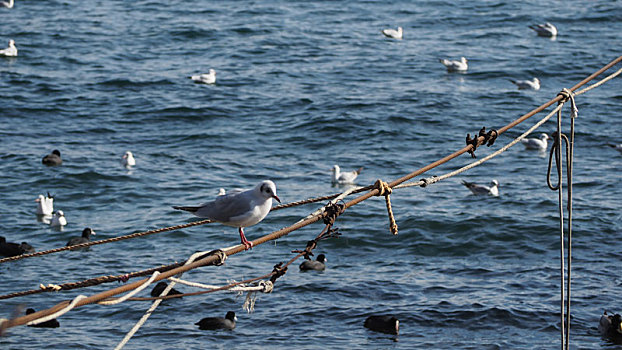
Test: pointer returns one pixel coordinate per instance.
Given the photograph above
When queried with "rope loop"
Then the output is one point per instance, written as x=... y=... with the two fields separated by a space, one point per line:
x=568 y=95
x=268 y=286
x=557 y=162
x=491 y=137
x=222 y=257
x=385 y=190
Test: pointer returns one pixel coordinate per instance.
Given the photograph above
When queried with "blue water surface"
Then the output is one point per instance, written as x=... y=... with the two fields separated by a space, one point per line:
x=301 y=86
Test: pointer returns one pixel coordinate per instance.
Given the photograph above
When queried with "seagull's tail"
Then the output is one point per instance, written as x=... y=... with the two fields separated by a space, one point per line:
x=190 y=209
x=358 y=171
x=467 y=184
x=512 y=81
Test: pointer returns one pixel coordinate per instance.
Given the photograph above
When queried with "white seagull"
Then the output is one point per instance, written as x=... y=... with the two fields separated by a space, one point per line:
x=8 y=5
x=539 y=144
x=455 y=66
x=128 y=159
x=616 y=147
x=45 y=205
x=392 y=33
x=493 y=190
x=239 y=209
x=209 y=78
x=546 y=29
x=533 y=84
x=347 y=177
x=59 y=219
x=10 y=51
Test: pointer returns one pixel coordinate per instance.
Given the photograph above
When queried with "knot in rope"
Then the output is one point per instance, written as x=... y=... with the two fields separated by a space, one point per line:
x=569 y=95
x=278 y=272
x=307 y=252
x=50 y=287
x=267 y=286
x=490 y=137
x=428 y=180
x=385 y=190
x=222 y=257
x=473 y=142
x=332 y=211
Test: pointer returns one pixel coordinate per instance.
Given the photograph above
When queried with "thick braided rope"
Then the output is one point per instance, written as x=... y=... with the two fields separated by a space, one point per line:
x=91 y=282
x=113 y=239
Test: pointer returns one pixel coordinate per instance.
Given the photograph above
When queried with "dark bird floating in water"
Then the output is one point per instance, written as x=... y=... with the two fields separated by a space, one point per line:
x=53 y=323
x=212 y=323
x=52 y=159
x=383 y=323
x=318 y=264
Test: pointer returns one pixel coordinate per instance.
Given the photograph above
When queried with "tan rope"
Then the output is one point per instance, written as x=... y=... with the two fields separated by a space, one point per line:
x=385 y=190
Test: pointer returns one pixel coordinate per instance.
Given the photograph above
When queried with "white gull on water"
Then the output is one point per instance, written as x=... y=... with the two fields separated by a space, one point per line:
x=205 y=78
x=346 y=177
x=546 y=29
x=492 y=190
x=533 y=84
x=455 y=66
x=59 y=219
x=392 y=33
x=238 y=209
x=45 y=205
x=539 y=144
x=10 y=51
x=128 y=159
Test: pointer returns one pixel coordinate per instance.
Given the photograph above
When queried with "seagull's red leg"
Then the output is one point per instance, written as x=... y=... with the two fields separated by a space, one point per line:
x=247 y=245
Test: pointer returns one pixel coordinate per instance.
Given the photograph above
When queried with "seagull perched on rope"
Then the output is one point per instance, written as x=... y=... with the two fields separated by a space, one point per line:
x=480 y=190
x=539 y=144
x=10 y=51
x=205 y=78
x=546 y=29
x=533 y=84
x=455 y=66
x=346 y=177
x=238 y=208
x=394 y=34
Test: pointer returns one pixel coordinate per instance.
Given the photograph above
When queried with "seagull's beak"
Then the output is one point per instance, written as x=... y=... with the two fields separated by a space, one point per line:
x=93 y=232
x=37 y=200
x=277 y=198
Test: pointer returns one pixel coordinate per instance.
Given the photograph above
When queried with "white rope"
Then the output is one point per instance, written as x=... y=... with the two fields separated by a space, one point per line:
x=59 y=313
x=239 y=288
x=132 y=293
x=155 y=304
